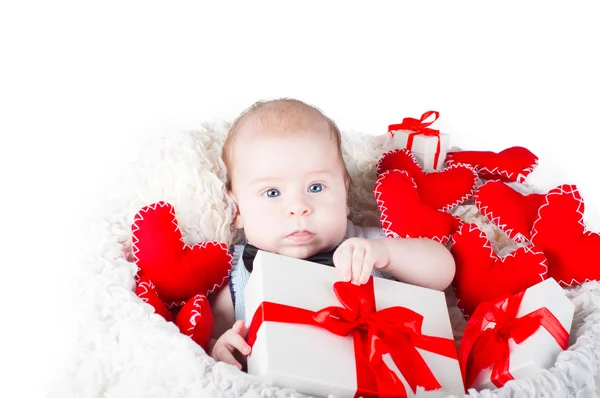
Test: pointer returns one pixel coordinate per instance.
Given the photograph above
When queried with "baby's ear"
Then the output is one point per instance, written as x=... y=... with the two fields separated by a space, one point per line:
x=237 y=221
x=347 y=210
x=237 y=218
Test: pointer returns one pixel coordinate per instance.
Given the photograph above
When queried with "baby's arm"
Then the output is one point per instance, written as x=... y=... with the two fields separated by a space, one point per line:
x=421 y=262
x=228 y=340
x=223 y=312
x=418 y=261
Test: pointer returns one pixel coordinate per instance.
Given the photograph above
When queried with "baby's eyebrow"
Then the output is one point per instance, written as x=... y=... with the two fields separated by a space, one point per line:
x=264 y=180
x=323 y=172
x=274 y=179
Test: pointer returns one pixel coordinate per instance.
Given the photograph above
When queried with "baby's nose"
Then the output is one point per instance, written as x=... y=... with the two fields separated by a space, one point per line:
x=300 y=208
x=302 y=212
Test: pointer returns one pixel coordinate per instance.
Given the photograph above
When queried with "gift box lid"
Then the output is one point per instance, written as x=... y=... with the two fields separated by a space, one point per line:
x=287 y=280
x=422 y=143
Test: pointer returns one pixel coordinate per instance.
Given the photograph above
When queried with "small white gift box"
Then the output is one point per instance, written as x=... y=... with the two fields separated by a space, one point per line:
x=520 y=345
x=309 y=358
x=429 y=146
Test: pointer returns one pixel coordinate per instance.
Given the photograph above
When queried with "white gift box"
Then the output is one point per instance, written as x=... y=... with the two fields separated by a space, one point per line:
x=538 y=351
x=311 y=359
x=424 y=148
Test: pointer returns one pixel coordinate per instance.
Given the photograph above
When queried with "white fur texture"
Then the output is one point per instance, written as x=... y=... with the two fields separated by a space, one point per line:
x=125 y=350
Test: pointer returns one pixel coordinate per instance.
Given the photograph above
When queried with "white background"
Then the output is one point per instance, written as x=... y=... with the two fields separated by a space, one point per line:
x=82 y=84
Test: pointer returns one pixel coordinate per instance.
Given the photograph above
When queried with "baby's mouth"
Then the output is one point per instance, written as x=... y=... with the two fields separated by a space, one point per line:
x=301 y=236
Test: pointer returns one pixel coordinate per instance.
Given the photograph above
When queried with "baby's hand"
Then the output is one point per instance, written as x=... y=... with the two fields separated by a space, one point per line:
x=230 y=342
x=356 y=258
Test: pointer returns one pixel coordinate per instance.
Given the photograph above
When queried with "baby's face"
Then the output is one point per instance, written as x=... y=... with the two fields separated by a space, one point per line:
x=290 y=192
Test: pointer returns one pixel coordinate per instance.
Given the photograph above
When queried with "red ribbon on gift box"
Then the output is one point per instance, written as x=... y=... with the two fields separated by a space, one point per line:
x=394 y=330
x=419 y=127
x=480 y=349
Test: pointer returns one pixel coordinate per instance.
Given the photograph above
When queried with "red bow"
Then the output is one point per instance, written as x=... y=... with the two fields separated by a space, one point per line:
x=419 y=127
x=481 y=349
x=394 y=330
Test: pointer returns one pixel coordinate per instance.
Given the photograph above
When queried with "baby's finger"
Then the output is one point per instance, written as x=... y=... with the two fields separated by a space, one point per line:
x=342 y=260
x=224 y=355
x=239 y=327
x=358 y=257
x=368 y=263
x=236 y=341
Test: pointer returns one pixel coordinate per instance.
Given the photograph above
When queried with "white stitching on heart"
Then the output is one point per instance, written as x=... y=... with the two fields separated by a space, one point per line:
x=196 y=312
x=147 y=285
x=521 y=176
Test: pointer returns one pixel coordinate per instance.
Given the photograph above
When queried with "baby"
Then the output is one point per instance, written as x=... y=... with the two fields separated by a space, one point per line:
x=290 y=184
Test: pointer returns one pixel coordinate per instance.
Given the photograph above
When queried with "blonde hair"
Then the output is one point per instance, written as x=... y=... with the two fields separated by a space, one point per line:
x=282 y=114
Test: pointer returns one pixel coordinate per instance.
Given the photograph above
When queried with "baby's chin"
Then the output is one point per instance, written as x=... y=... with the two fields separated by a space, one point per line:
x=301 y=251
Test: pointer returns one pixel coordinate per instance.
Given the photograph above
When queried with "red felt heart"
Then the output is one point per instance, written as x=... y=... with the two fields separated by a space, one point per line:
x=146 y=290
x=512 y=164
x=441 y=190
x=195 y=319
x=177 y=270
x=483 y=276
x=513 y=212
x=402 y=213
x=573 y=252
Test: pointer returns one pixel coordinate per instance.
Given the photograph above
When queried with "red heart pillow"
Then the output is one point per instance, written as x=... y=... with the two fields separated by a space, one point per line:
x=513 y=212
x=403 y=214
x=195 y=319
x=511 y=164
x=178 y=271
x=146 y=290
x=441 y=190
x=573 y=252
x=483 y=276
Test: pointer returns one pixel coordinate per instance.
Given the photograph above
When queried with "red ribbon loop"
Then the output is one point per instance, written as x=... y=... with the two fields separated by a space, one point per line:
x=419 y=127
x=395 y=331
x=480 y=349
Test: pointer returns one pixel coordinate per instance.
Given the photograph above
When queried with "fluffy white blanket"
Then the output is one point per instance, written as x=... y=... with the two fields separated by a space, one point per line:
x=125 y=350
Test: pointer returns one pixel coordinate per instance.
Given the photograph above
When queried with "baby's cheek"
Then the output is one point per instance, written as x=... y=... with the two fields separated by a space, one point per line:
x=337 y=223
x=255 y=211
x=261 y=226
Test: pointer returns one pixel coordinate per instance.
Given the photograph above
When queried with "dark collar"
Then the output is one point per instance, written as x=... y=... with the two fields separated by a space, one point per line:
x=249 y=253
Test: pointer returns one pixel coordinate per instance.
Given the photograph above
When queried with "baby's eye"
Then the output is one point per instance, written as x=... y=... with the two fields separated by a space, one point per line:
x=272 y=193
x=315 y=188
